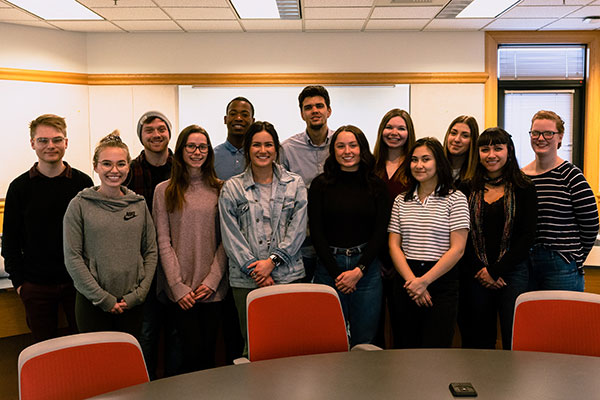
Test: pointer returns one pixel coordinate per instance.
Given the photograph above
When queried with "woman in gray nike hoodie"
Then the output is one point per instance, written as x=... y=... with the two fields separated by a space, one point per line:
x=110 y=246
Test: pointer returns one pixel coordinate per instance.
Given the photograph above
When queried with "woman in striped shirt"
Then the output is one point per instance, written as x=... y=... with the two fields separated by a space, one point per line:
x=428 y=231
x=567 y=222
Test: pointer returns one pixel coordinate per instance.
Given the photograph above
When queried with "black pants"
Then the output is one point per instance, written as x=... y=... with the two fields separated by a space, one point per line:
x=198 y=328
x=427 y=327
x=91 y=318
x=42 y=304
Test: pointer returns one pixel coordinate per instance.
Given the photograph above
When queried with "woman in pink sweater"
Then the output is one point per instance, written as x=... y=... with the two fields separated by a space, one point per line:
x=192 y=259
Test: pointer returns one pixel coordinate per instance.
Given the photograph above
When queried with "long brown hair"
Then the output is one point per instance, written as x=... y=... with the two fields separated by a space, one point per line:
x=381 y=150
x=467 y=170
x=180 y=178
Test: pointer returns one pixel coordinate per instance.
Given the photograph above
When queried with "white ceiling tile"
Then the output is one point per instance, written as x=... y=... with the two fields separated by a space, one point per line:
x=131 y=13
x=192 y=3
x=37 y=24
x=457 y=24
x=332 y=24
x=120 y=3
x=553 y=2
x=148 y=26
x=586 y=11
x=211 y=26
x=539 y=12
x=396 y=24
x=570 y=24
x=13 y=14
x=200 y=13
x=405 y=12
x=337 y=3
x=87 y=26
x=518 y=24
x=336 y=13
x=272 y=24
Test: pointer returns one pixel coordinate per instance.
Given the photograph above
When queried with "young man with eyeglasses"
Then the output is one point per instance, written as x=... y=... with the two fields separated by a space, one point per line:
x=32 y=241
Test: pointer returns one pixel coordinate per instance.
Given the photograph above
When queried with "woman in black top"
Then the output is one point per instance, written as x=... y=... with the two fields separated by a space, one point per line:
x=503 y=207
x=348 y=213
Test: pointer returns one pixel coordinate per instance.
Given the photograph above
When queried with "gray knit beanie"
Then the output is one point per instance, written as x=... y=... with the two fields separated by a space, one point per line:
x=148 y=117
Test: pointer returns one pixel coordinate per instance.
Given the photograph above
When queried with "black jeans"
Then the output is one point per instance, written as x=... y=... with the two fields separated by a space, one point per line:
x=427 y=327
x=91 y=318
x=198 y=328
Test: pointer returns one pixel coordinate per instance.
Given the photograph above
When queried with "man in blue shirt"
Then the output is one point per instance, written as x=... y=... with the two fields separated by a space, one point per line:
x=229 y=156
x=305 y=153
x=230 y=161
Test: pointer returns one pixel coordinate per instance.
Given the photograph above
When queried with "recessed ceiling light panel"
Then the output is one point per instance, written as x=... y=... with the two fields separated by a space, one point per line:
x=56 y=9
x=267 y=9
x=487 y=8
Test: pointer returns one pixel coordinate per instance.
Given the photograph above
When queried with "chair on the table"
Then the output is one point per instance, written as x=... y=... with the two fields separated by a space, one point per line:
x=294 y=319
x=557 y=321
x=80 y=366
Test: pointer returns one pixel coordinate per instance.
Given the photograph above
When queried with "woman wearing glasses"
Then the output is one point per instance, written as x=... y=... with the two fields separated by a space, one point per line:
x=567 y=222
x=263 y=220
x=110 y=246
x=192 y=258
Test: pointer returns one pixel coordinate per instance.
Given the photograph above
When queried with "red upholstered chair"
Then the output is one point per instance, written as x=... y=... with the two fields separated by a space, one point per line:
x=294 y=319
x=80 y=366
x=557 y=321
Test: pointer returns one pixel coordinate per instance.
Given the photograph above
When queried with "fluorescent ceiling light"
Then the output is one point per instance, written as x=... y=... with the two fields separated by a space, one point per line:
x=56 y=9
x=267 y=9
x=263 y=9
x=486 y=8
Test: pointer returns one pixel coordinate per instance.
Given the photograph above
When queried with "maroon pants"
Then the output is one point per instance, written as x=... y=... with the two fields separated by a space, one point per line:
x=41 y=308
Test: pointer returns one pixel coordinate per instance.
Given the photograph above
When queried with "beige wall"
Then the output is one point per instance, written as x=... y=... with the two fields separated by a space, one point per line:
x=93 y=111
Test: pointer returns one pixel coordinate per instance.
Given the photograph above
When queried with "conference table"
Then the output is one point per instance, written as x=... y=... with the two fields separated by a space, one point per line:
x=388 y=374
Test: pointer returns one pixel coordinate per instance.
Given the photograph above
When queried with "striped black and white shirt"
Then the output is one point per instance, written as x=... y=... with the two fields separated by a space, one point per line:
x=567 y=219
x=425 y=226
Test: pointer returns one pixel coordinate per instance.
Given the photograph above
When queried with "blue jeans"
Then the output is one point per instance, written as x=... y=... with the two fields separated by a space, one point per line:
x=479 y=309
x=549 y=271
x=309 y=259
x=362 y=307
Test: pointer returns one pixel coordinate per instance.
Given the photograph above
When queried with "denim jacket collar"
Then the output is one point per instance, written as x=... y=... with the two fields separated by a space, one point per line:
x=282 y=175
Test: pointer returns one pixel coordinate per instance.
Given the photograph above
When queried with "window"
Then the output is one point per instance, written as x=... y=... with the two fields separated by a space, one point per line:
x=542 y=77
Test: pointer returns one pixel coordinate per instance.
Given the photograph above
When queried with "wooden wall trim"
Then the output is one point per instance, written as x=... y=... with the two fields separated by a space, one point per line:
x=345 y=78
x=592 y=102
x=12 y=74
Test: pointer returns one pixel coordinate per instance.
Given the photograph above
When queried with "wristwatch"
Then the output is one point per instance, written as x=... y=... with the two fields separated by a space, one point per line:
x=277 y=261
x=361 y=267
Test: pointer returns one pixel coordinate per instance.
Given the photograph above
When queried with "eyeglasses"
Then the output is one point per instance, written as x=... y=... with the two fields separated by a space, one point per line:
x=109 y=165
x=546 y=134
x=191 y=148
x=43 y=141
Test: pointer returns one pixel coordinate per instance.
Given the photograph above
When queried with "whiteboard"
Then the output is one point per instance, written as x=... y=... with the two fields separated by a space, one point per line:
x=363 y=106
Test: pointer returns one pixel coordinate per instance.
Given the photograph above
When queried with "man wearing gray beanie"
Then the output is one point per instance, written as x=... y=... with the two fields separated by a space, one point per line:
x=147 y=170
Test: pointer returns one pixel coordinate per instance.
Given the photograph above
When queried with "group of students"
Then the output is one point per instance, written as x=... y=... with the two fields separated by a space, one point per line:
x=432 y=232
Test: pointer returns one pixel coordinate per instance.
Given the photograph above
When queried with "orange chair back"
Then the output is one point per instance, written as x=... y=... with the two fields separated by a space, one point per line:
x=557 y=321
x=294 y=319
x=80 y=366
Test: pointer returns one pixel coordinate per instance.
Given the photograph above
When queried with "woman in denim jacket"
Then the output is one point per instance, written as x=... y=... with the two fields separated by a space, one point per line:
x=263 y=219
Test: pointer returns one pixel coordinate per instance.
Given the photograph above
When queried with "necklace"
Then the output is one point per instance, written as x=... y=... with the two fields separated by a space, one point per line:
x=494 y=181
